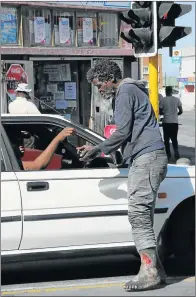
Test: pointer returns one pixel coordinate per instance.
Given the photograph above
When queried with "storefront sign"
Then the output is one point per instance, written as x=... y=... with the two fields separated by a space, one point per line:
x=14 y=76
x=8 y=25
x=182 y=79
x=16 y=73
x=64 y=31
x=109 y=130
x=176 y=60
x=177 y=57
x=39 y=30
x=87 y=30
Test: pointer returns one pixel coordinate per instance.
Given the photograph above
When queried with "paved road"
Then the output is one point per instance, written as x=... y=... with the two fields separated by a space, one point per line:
x=186 y=136
x=176 y=286
x=92 y=277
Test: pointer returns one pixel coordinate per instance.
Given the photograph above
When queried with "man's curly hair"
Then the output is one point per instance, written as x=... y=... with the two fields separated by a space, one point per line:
x=104 y=70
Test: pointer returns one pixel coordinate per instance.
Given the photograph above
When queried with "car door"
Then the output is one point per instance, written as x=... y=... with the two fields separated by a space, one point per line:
x=11 y=215
x=78 y=207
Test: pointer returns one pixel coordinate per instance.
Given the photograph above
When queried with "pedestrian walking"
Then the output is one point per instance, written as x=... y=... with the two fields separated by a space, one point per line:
x=170 y=107
x=22 y=105
x=138 y=132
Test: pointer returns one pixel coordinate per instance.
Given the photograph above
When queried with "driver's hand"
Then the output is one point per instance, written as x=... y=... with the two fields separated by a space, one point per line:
x=65 y=133
x=88 y=153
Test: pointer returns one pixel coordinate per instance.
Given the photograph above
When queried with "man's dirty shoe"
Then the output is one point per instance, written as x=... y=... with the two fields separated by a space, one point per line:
x=151 y=275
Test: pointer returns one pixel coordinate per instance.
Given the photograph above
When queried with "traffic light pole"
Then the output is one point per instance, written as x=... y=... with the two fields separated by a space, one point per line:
x=153 y=84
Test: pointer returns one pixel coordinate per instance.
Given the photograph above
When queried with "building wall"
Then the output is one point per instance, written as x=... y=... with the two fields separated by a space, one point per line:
x=145 y=70
x=47 y=58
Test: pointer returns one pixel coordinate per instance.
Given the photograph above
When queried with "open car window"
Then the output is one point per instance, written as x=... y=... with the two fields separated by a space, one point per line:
x=34 y=139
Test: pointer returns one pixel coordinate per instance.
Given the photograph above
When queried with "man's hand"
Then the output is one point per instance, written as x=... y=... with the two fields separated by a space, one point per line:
x=88 y=153
x=65 y=133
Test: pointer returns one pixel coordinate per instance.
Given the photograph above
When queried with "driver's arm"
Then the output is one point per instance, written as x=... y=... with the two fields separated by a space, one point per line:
x=45 y=157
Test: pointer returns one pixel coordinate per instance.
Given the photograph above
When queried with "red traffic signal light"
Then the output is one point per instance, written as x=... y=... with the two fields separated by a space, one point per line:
x=167 y=13
x=143 y=28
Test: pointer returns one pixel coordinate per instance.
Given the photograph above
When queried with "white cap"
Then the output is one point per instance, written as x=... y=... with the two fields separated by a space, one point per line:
x=23 y=88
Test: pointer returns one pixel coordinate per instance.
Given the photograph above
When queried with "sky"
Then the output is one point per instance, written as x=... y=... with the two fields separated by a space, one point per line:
x=189 y=41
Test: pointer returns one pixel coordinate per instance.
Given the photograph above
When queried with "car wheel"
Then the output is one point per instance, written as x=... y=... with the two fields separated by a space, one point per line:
x=183 y=239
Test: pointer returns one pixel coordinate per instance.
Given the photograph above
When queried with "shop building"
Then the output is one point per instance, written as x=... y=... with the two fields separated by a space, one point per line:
x=145 y=70
x=56 y=43
x=187 y=78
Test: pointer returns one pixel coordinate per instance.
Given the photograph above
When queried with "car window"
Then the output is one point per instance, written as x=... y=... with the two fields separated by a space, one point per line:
x=30 y=140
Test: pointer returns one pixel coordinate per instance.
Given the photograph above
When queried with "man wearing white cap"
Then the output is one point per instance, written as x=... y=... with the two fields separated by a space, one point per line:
x=21 y=104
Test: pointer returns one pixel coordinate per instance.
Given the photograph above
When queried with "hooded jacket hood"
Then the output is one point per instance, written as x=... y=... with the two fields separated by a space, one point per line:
x=141 y=84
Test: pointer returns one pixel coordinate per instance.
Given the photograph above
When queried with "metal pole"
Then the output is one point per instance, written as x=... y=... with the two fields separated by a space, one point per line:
x=153 y=84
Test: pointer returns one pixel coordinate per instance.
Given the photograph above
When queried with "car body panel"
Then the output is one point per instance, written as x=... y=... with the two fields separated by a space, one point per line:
x=11 y=212
x=85 y=207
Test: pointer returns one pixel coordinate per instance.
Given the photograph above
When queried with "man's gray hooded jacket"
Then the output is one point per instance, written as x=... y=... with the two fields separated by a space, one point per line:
x=137 y=126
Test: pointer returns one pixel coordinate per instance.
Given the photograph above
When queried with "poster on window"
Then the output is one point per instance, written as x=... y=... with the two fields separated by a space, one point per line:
x=61 y=104
x=64 y=31
x=59 y=72
x=87 y=30
x=70 y=90
x=39 y=30
x=8 y=25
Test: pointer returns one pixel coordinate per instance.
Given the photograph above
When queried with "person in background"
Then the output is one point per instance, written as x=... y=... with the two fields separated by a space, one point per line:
x=138 y=131
x=22 y=105
x=170 y=107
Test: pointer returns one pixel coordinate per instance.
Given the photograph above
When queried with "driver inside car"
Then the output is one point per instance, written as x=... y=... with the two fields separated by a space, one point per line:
x=45 y=157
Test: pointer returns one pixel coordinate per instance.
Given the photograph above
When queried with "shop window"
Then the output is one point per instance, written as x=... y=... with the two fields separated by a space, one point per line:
x=145 y=70
x=108 y=25
x=63 y=28
x=56 y=88
x=86 y=29
x=9 y=25
x=40 y=27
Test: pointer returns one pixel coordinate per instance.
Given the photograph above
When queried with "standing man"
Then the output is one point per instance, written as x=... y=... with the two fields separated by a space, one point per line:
x=170 y=107
x=138 y=131
x=21 y=104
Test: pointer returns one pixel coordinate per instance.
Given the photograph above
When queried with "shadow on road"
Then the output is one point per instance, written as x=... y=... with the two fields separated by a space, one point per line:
x=185 y=152
x=82 y=269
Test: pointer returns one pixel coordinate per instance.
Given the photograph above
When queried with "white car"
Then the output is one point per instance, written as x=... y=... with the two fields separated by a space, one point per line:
x=70 y=209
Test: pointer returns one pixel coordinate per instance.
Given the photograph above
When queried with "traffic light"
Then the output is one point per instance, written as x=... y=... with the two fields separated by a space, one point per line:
x=142 y=18
x=167 y=13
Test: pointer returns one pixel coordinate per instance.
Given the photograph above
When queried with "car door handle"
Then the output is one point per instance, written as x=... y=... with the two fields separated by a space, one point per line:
x=37 y=186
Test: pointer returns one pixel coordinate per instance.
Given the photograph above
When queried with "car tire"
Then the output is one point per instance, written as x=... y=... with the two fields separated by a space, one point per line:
x=183 y=239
